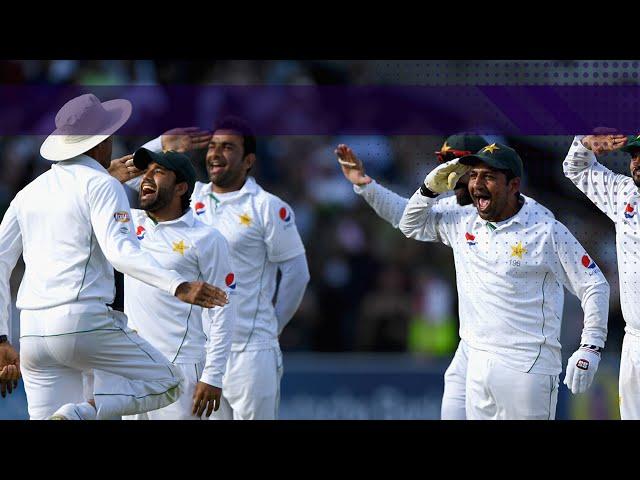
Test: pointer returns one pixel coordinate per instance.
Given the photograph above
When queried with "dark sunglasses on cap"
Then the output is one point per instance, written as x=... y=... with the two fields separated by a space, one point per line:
x=447 y=155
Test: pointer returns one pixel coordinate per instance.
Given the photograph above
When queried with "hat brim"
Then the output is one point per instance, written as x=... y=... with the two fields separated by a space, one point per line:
x=630 y=148
x=57 y=147
x=143 y=157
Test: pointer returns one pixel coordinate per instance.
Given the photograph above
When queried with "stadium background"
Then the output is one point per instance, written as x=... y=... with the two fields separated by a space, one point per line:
x=378 y=324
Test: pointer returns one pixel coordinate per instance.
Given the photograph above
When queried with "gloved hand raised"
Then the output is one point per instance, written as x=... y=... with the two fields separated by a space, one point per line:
x=444 y=177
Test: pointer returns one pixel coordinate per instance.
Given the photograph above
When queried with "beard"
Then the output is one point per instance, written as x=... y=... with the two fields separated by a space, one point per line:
x=161 y=199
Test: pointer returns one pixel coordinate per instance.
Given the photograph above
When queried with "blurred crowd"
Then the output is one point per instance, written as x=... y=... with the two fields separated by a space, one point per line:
x=371 y=288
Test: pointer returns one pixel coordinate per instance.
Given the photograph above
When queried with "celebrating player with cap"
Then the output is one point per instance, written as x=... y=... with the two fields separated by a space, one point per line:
x=511 y=261
x=262 y=235
x=166 y=228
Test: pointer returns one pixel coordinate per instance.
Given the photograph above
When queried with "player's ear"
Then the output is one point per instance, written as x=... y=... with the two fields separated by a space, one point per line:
x=181 y=188
x=514 y=184
x=249 y=160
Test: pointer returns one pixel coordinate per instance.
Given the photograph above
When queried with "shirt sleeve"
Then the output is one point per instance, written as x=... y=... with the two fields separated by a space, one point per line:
x=577 y=271
x=216 y=269
x=429 y=219
x=388 y=205
x=281 y=234
x=10 y=251
x=293 y=284
x=111 y=222
x=602 y=186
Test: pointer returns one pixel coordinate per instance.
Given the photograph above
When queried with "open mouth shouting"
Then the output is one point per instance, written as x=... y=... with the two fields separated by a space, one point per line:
x=147 y=191
x=482 y=201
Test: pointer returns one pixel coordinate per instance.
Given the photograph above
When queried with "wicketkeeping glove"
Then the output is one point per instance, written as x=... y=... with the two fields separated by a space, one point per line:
x=581 y=368
x=444 y=177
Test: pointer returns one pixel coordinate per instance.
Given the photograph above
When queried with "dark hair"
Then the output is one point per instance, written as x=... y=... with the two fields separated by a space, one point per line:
x=236 y=124
x=185 y=199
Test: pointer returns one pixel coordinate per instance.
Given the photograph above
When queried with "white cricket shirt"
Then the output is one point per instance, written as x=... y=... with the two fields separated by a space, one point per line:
x=509 y=280
x=261 y=232
x=178 y=330
x=72 y=225
x=618 y=197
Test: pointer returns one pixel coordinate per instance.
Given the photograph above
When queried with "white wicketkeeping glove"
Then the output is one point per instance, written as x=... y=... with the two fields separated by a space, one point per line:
x=444 y=177
x=581 y=368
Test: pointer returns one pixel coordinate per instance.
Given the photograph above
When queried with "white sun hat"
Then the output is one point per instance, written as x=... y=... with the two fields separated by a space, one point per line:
x=82 y=123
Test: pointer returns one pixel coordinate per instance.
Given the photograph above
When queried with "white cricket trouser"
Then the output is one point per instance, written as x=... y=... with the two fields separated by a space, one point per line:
x=629 y=380
x=251 y=386
x=497 y=392
x=455 y=379
x=182 y=408
x=130 y=376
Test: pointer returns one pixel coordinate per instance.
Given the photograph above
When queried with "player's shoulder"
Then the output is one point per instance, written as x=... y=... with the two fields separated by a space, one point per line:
x=138 y=216
x=200 y=190
x=537 y=208
x=206 y=234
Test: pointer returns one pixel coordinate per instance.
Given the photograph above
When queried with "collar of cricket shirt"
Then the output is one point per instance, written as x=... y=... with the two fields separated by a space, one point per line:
x=188 y=219
x=250 y=187
x=85 y=160
x=520 y=217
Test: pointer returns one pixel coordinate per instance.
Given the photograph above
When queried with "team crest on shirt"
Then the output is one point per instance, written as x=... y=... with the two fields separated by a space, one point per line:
x=200 y=208
x=245 y=219
x=230 y=281
x=179 y=247
x=140 y=232
x=122 y=217
x=471 y=239
x=629 y=211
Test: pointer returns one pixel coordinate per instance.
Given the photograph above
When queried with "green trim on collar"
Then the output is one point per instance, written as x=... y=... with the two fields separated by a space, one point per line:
x=155 y=222
x=215 y=199
x=490 y=226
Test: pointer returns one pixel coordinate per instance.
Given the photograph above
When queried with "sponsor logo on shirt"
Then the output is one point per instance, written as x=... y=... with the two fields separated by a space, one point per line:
x=588 y=263
x=285 y=216
x=124 y=229
x=200 y=208
x=140 y=232
x=230 y=280
x=629 y=212
x=122 y=217
x=471 y=239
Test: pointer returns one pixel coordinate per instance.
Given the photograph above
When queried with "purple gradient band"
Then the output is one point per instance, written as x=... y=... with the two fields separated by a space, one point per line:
x=337 y=110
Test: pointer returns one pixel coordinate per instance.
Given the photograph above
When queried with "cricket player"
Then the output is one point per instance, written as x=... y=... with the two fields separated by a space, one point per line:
x=262 y=236
x=73 y=225
x=389 y=206
x=618 y=197
x=511 y=261
x=168 y=230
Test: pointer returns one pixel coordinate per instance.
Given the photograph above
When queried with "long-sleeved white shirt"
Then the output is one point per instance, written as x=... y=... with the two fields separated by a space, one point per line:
x=178 y=330
x=618 y=197
x=262 y=236
x=510 y=279
x=72 y=225
x=388 y=205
